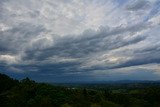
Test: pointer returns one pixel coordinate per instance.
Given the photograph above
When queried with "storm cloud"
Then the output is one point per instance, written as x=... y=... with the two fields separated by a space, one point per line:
x=65 y=40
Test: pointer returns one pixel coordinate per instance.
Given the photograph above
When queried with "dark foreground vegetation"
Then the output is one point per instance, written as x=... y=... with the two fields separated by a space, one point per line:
x=27 y=93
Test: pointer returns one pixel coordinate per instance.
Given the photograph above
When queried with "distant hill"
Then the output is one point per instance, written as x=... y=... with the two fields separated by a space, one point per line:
x=28 y=93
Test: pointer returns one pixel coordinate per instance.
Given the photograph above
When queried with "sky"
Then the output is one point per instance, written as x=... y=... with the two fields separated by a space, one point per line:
x=80 y=40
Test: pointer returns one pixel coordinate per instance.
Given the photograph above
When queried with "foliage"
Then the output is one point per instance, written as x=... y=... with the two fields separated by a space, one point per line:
x=28 y=93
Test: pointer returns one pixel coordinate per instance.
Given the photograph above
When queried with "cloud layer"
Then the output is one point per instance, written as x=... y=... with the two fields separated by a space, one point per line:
x=75 y=40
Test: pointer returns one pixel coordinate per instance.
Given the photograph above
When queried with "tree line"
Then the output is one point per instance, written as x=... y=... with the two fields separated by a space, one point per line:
x=28 y=93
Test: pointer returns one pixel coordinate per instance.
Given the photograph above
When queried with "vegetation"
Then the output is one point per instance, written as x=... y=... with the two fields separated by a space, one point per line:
x=27 y=93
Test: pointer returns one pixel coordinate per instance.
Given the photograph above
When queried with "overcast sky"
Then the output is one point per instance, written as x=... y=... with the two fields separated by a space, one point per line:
x=80 y=40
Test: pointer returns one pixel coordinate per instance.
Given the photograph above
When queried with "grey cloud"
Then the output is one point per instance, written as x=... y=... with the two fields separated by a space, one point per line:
x=154 y=11
x=138 y=5
x=82 y=46
x=16 y=38
x=148 y=55
x=41 y=50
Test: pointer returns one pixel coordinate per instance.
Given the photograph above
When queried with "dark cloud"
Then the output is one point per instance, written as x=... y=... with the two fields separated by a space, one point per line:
x=83 y=46
x=138 y=5
x=35 y=42
x=16 y=38
x=154 y=11
x=142 y=58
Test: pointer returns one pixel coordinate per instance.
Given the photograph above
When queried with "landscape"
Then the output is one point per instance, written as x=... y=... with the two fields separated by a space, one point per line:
x=79 y=53
x=28 y=93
